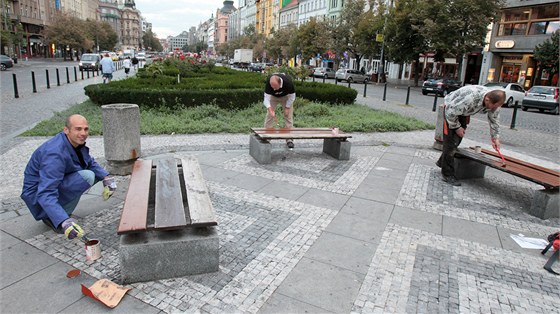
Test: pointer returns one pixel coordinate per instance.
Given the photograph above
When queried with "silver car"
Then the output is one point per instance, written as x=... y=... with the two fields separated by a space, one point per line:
x=324 y=72
x=514 y=92
x=542 y=98
x=351 y=76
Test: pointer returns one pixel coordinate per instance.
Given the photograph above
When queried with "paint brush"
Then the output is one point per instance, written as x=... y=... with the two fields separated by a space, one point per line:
x=276 y=119
x=501 y=156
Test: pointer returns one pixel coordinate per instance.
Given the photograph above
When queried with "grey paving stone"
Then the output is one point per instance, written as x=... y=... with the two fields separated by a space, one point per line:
x=383 y=171
x=21 y=260
x=45 y=290
x=23 y=227
x=367 y=209
x=360 y=228
x=323 y=199
x=249 y=182
x=284 y=190
x=398 y=156
x=128 y=304
x=371 y=191
x=215 y=158
x=218 y=174
x=341 y=251
x=379 y=182
x=401 y=150
x=279 y=303
x=393 y=164
x=322 y=285
x=471 y=231
x=7 y=241
x=417 y=219
x=509 y=244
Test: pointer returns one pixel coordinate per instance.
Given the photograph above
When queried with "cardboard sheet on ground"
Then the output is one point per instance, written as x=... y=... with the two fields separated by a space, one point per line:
x=529 y=243
x=106 y=292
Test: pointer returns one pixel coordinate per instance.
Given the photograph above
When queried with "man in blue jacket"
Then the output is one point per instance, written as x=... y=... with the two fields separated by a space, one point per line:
x=57 y=175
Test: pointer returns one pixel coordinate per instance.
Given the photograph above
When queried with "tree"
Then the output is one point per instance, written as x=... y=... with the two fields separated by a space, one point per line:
x=150 y=41
x=547 y=56
x=312 y=38
x=67 y=31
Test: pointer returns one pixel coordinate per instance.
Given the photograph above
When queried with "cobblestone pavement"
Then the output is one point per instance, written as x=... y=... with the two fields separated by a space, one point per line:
x=440 y=248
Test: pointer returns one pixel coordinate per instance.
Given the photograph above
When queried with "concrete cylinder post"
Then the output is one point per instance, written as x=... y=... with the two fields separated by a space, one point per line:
x=121 y=136
x=438 y=138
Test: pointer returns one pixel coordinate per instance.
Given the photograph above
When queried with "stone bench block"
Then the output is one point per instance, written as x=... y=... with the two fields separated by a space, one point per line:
x=468 y=169
x=154 y=255
x=545 y=204
x=337 y=148
x=260 y=150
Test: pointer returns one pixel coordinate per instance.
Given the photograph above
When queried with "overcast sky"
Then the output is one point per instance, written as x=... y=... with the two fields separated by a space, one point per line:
x=171 y=17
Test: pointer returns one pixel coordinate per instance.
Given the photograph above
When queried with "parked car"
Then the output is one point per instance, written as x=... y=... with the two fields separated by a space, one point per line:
x=141 y=56
x=5 y=62
x=324 y=72
x=542 y=98
x=89 y=61
x=440 y=86
x=514 y=92
x=256 y=67
x=350 y=76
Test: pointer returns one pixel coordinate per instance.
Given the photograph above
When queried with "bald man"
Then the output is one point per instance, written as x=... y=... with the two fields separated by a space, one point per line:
x=279 y=89
x=57 y=175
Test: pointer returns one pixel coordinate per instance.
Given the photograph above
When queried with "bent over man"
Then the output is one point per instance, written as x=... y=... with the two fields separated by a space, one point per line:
x=57 y=175
x=279 y=89
x=458 y=107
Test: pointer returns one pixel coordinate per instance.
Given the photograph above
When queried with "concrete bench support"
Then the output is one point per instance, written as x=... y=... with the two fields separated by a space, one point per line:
x=336 y=148
x=468 y=169
x=545 y=204
x=121 y=136
x=260 y=150
x=157 y=255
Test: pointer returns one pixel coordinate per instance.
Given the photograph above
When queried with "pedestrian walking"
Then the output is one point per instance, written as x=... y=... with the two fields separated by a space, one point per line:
x=107 y=68
x=127 y=64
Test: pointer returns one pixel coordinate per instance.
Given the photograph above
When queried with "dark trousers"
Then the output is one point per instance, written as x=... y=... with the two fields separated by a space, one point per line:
x=450 y=143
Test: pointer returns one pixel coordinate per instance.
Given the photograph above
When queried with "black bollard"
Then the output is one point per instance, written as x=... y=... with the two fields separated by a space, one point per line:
x=87 y=72
x=385 y=91
x=82 y=71
x=512 y=126
x=435 y=102
x=75 y=75
x=348 y=84
x=16 y=93
x=324 y=78
x=67 y=76
x=48 y=80
x=57 y=78
x=313 y=76
x=407 y=95
x=33 y=81
x=365 y=88
x=335 y=81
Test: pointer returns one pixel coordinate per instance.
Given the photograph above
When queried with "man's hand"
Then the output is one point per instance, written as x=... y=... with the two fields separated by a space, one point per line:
x=496 y=144
x=72 y=229
x=271 y=112
x=109 y=187
x=460 y=132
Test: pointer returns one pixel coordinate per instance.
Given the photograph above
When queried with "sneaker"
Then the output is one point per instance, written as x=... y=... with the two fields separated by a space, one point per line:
x=290 y=144
x=451 y=180
x=49 y=223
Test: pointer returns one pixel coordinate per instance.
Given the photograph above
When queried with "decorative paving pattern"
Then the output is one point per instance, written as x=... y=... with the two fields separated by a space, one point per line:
x=416 y=271
x=309 y=168
x=424 y=190
x=260 y=243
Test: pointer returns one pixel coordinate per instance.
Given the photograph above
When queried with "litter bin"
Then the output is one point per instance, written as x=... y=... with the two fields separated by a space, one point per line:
x=374 y=77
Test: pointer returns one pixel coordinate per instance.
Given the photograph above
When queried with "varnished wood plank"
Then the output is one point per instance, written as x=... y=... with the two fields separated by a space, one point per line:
x=523 y=170
x=169 y=208
x=298 y=133
x=135 y=210
x=530 y=165
x=198 y=199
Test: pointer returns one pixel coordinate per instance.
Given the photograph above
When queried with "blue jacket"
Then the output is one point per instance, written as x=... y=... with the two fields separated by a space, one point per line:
x=51 y=178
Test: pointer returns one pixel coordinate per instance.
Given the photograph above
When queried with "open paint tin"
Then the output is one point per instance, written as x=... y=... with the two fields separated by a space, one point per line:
x=93 y=250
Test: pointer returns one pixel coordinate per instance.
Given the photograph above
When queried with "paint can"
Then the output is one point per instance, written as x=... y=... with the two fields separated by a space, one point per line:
x=93 y=250
x=477 y=149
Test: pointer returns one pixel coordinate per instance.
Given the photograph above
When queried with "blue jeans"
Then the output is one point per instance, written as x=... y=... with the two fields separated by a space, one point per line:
x=89 y=177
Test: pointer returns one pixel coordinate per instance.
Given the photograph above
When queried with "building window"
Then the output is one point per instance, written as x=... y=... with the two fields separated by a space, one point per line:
x=537 y=20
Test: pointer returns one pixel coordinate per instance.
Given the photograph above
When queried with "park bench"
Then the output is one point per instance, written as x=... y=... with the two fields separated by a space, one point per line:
x=167 y=222
x=335 y=144
x=166 y=195
x=469 y=164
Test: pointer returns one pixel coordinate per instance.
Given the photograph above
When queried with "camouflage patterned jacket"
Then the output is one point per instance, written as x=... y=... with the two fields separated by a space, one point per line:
x=467 y=101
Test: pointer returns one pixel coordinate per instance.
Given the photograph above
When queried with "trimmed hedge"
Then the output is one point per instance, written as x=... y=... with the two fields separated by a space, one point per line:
x=226 y=88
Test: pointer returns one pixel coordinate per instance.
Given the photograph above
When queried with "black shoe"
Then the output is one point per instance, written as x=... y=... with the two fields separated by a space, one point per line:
x=49 y=223
x=290 y=144
x=451 y=180
x=438 y=163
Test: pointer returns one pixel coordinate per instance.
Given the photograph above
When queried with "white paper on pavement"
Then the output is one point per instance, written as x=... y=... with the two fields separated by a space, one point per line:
x=529 y=243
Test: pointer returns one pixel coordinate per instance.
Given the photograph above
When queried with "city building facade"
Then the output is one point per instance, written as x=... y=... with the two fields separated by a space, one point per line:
x=289 y=14
x=130 y=26
x=311 y=8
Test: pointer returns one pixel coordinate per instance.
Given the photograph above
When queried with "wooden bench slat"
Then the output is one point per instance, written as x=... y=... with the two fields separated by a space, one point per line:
x=200 y=205
x=298 y=133
x=524 y=170
x=530 y=165
x=135 y=210
x=169 y=208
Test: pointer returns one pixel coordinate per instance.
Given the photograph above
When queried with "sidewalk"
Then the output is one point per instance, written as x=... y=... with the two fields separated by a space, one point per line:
x=307 y=233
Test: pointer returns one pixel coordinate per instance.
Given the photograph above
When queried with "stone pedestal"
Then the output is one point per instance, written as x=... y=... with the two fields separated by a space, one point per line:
x=121 y=136
x=438 y=138
x=468 y=169
x=545 y=204
x=154 y=255
x=260 y=150
x=337 y=148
